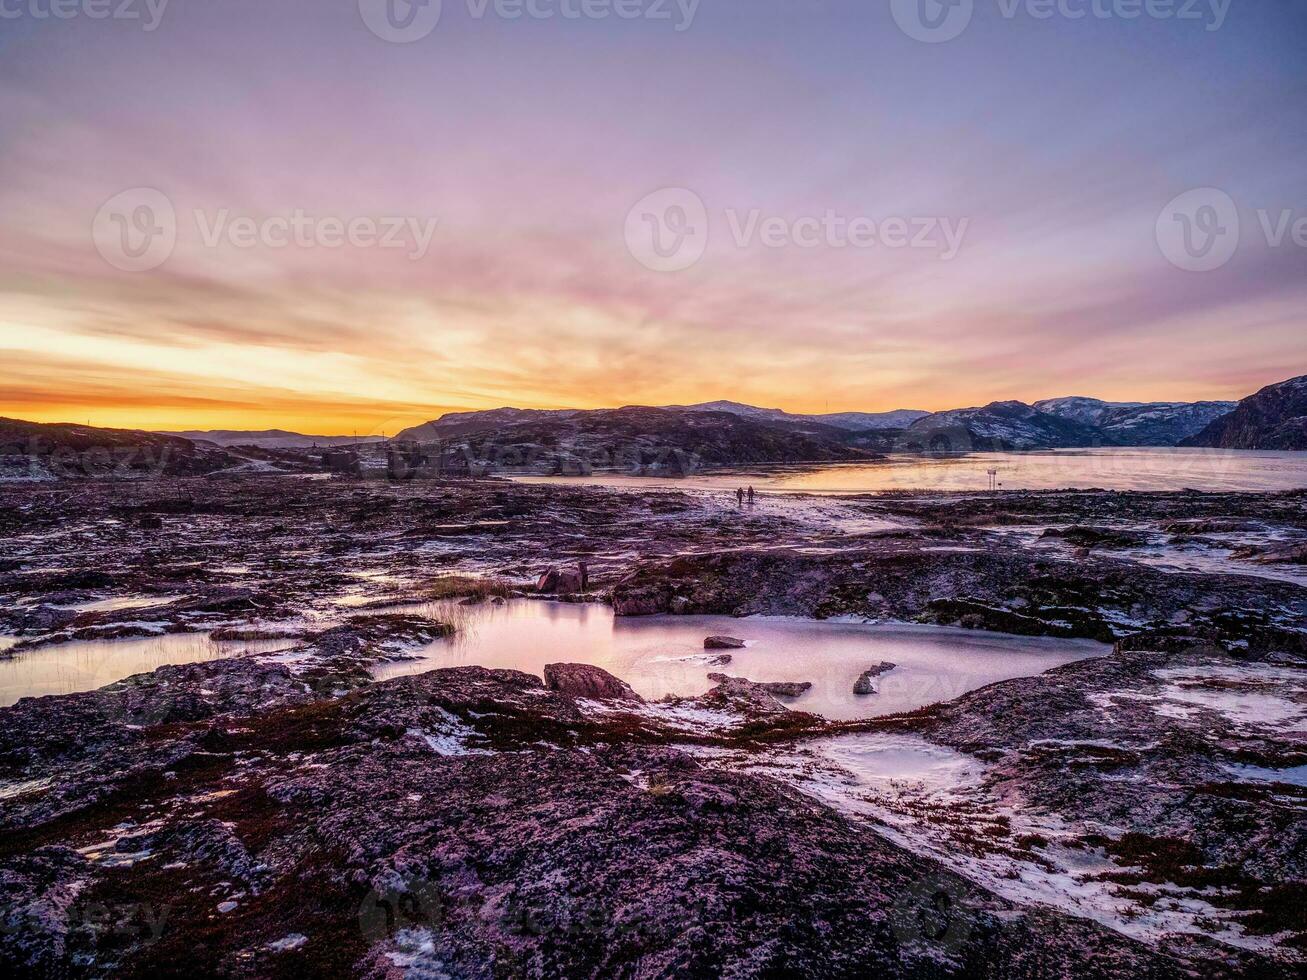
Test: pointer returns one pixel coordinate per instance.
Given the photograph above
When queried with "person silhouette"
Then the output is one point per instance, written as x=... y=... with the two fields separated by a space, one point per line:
x=751 y=495
x=739 y=496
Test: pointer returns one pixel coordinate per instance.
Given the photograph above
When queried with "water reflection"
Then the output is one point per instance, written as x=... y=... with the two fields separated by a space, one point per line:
x=664 y=655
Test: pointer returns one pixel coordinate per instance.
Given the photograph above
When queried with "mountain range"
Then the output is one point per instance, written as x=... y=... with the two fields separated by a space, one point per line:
x=636 y=438
x=677 y=438
x=1138 y=423
x=1008 y=425
x=268 y=438
x=853 y=421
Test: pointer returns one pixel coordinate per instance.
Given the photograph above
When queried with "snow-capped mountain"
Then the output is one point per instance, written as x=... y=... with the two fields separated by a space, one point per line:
x=853 y=421
x=1077 y=408
x=998 y=426
x=1138 y=423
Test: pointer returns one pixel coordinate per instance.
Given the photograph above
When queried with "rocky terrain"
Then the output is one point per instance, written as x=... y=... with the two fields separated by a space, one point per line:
x=33 y=451
x=1273 y=418
x=280 y=812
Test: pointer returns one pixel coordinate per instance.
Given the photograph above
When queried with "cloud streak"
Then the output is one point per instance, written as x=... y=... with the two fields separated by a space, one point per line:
x=1059 y=143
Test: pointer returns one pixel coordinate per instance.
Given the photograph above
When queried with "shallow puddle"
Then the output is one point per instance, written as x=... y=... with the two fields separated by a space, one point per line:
x=662 y=655
x=1294 y=776
x=121 y=603
x=67 y=668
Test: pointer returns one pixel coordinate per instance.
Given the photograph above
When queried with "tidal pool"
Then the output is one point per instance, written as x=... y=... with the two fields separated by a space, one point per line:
x=662 y=655
x=84 y=665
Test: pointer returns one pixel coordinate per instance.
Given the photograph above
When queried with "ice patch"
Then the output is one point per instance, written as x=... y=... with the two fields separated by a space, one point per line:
x=937 y=802
x=10 y=791
x=452 y=741
x=683 y=715
x=1296 y=776
x=413 y=945
x=1255 y=696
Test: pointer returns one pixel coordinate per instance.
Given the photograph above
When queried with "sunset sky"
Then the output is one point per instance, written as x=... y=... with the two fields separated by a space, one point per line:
x=1059 y=141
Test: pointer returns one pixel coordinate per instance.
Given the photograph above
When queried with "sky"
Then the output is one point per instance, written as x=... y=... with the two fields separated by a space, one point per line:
x=302 y=214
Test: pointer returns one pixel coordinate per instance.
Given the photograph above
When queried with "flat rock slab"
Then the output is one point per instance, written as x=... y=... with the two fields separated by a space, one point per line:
x=780 y=689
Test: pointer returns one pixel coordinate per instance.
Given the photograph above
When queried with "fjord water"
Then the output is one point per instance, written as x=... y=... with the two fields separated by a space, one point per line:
x=662 y=655
x=1144 y=469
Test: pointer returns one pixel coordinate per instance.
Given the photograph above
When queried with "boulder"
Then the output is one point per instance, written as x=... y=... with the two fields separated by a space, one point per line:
x=723 y=643
x=47 y=618
x=786 y=689
x=866 y=684
x=637 y=605
x=568 y=583
x=588 y=681
x=559 y=581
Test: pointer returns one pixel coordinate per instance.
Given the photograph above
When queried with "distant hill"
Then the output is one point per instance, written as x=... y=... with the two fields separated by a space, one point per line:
x=853 y=421
x=632 y=439
x=269 y=438
x=39 y=451
x=1137 y=423
x=453 y=424
x=1273 y=418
